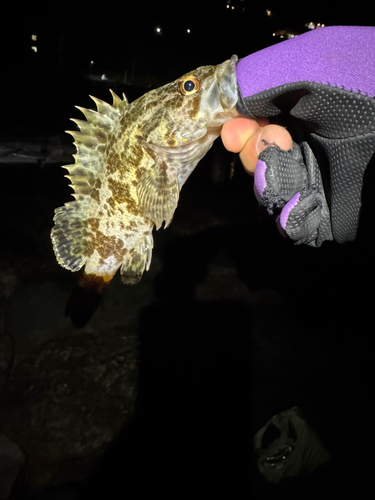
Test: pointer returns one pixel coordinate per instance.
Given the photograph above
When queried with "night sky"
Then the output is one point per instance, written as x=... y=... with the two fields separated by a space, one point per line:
x=71 y=34
x=129 y=47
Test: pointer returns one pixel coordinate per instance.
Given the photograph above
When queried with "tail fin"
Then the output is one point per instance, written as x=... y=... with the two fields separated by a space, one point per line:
x=85 y=299
x=82 y=305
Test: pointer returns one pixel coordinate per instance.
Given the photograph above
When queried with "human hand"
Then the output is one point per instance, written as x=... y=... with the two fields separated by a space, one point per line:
x=250 y=137
x=323 y=82
x=278 y=178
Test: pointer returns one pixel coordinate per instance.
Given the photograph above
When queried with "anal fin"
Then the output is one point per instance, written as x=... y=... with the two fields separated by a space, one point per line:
x=137 y=261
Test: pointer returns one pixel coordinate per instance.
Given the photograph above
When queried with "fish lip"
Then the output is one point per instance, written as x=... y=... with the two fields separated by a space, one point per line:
x=178 y=151
x=227 y=82
x=198 y=134
x=222 y=97
x=189 y=138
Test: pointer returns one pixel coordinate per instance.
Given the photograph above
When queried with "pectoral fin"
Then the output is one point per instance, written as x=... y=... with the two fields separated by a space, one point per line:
x=158 y=193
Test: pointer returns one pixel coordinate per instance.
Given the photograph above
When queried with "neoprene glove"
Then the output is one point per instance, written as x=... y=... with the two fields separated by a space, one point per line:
x=325 y=81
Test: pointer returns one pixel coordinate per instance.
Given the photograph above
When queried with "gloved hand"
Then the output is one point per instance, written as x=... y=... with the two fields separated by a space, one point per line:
x=324 y=82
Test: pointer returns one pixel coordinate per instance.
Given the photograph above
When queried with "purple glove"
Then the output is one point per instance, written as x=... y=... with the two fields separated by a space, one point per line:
x=323 y=82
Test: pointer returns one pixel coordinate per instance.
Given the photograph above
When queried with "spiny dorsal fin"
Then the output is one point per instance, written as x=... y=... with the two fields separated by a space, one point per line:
x=96 y=119
x=69 y=233
x=117 y=102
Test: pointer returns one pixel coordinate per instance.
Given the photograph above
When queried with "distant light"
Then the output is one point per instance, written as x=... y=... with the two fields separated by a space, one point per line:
x=268 y=12
x=158 y=29
x=104 y=77
x=34 y=38
x=313 y=26
x=188 y=30
x=91 y=62
x=34 y=48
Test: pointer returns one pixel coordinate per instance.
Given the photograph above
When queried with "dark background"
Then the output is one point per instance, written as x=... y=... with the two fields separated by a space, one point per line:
x=230 y=325
x=76 y=40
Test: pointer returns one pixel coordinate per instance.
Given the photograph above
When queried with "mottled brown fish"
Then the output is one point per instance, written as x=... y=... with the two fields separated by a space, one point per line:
x=131 y=162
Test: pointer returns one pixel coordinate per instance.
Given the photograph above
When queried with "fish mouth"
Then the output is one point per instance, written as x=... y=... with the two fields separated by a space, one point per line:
x=279 y=458
x=219 y=103
x=227 y=81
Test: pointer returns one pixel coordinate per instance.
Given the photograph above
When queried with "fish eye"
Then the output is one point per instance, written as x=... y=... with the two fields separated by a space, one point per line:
x=188 y=85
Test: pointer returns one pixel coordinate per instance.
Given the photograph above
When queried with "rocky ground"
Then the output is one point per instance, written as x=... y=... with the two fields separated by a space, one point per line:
x=165 y=387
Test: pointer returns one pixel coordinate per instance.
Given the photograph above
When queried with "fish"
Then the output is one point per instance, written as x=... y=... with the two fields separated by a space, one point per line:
x=131 y=162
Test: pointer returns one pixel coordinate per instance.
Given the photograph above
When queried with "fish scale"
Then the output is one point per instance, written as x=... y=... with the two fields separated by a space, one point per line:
x=131 y=163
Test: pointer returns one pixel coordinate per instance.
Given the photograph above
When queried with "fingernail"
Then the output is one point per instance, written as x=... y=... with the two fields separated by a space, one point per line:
x=265 y=140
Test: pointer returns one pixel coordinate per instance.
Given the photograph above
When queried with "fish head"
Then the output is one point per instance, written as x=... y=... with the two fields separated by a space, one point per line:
x=192 y=107
x=176 y=126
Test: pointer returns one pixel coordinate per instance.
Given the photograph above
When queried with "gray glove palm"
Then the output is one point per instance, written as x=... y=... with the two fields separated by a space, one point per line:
x=291 y=180
x=325 y=80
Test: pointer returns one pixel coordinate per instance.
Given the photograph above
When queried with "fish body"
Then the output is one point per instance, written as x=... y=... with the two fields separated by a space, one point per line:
x=131 y=163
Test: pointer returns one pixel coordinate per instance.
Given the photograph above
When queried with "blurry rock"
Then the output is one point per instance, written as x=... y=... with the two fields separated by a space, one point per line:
x=67 y=492
x=30 y=152
x=42 y=318
x=6 y=354
x=59 y=149
x=67 y=402
x=288 y=447
x=8 y=278
x=12 y=460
